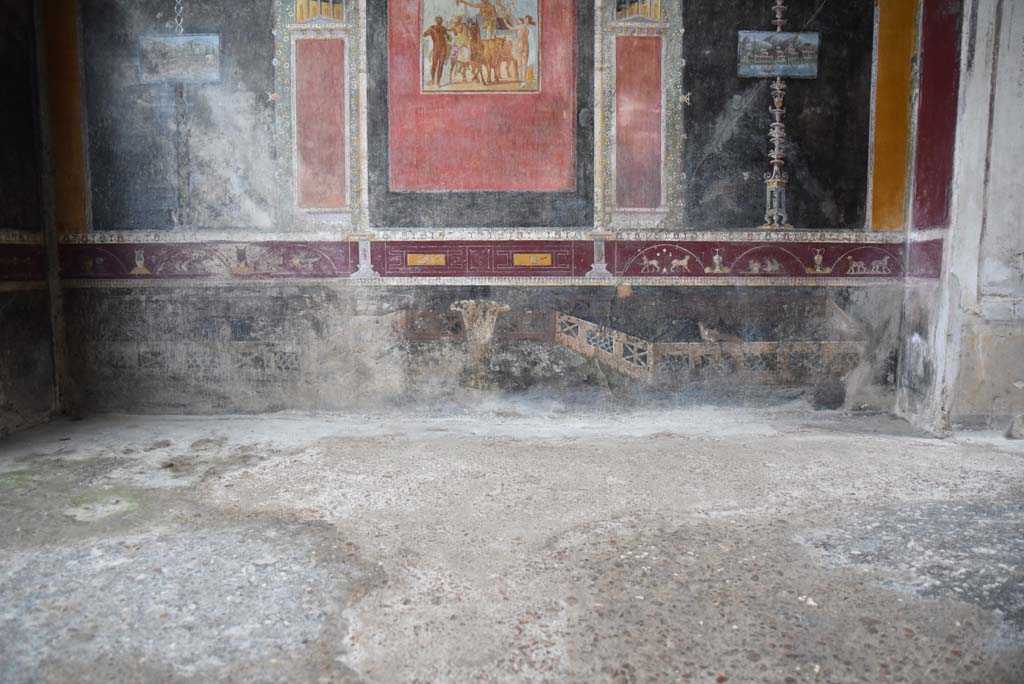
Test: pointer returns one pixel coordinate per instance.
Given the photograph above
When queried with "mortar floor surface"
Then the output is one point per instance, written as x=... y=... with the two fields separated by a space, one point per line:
x=507 y=546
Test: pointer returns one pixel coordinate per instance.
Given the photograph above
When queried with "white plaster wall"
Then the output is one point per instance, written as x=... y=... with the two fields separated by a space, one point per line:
x=975 y=340
x=1001 y=269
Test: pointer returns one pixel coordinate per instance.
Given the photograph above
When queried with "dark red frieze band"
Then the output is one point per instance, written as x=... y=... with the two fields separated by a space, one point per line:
x=485 y=259
x=22 y=263
x=207 y=260
x=756 y=259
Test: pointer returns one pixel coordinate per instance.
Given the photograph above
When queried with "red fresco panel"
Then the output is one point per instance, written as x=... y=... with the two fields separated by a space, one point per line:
x=320 y=122
x=508 y=259
x=925 y=259
x=483 y=141
x=638 y=122
x=936 y=114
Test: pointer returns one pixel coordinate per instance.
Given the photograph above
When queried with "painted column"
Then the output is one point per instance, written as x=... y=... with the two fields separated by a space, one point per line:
x=599 y=271
x=366 y=269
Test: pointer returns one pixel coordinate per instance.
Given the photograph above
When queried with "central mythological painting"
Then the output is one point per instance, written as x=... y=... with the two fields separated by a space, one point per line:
x=482 y=96
x=480 y=47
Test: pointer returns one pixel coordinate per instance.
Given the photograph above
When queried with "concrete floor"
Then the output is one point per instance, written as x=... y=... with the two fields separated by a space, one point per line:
x=687 y=546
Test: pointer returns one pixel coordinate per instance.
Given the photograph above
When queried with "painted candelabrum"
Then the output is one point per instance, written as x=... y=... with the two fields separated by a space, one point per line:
x=775 y=203
x=777 y=55
x=775 y=215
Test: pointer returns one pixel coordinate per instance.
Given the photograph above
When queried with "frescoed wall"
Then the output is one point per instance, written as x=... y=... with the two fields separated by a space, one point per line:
x=486 y=131
x=827 y=117
x=362 y=199
x=185 y=150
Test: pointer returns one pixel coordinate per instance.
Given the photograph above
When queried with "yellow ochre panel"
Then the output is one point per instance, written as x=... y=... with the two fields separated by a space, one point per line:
x=309 y=9
x=897 y=29
x=64 y=93
x=425 y=259
x=531 y=260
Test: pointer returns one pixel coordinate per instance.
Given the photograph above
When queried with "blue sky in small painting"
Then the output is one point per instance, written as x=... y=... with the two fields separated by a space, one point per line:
x=770 y=53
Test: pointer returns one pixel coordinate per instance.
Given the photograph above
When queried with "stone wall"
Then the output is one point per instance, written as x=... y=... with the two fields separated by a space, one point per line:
x=26 y=368
x=344 y=347
x=963 y=338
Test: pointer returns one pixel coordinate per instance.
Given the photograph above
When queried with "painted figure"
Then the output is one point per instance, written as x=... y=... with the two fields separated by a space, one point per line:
x=521 y=48
x=488 y=12
x=467 y=57
x=530 y=67
x=438 y=34
x=460 y=50
x=489 y=48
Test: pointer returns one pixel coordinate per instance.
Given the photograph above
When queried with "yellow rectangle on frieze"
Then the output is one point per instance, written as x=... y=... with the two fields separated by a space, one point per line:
x=531 y=260
x=425 y=260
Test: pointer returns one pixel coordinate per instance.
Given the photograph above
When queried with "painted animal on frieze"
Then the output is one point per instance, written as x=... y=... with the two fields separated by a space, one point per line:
x=881 y=266
x=306 y=262
x=665 y=260
x=870 y=261
x=709 y=334
x=680 y=265
x=194 y=261
x=649 y=265
x=763 y=265
x=855 y=267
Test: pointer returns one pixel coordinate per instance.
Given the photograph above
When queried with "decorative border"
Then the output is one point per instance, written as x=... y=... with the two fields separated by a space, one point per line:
x=231 y=281
x=20 y=237
x=708 y=361
x=471 y=234
x=513 y=262
x=21 y=263
x=199 y=261
x=663 y=259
